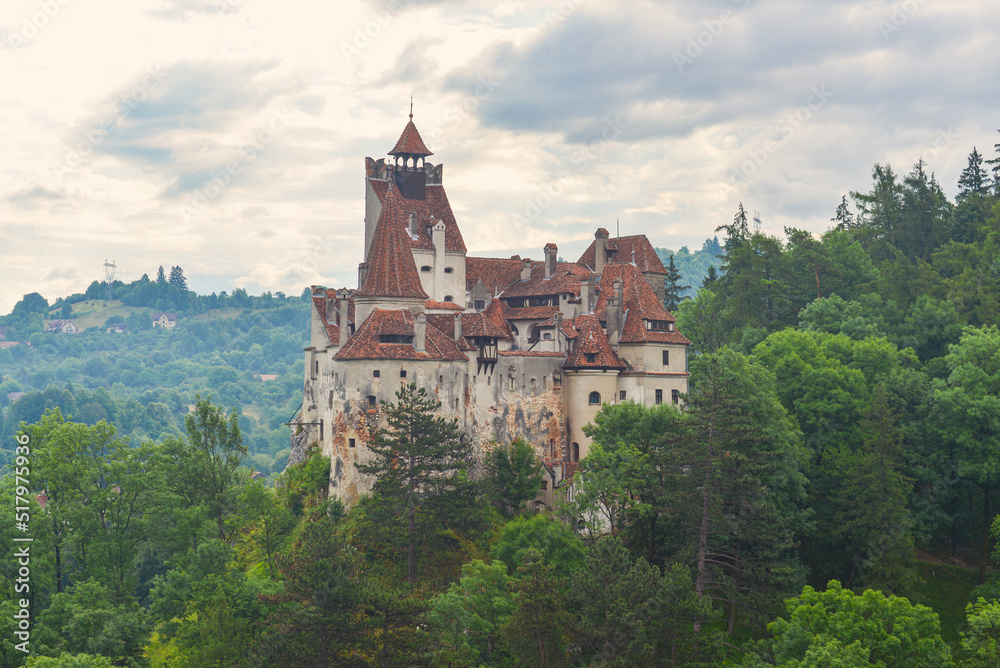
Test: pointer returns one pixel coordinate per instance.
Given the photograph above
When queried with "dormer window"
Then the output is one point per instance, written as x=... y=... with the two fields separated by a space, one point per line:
x=659 y=326
x=395 y=338
x=591 y=358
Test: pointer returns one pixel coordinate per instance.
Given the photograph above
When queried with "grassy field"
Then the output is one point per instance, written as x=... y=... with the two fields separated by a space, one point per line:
x=946 y=590
x=95 y=312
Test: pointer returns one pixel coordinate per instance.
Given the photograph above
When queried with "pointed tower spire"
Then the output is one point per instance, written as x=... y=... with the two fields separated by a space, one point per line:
x=391 y=270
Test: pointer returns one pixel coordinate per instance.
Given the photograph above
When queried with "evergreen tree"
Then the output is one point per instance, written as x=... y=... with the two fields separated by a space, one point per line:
x=874 y=498
x=973 y=202
x=739 y=459
x=419 y=457
x=710 y=278
x=672 y=293
x=513 y=476
x=177 y=278
x=738 y=232
x=161 y=276
x=844 y=218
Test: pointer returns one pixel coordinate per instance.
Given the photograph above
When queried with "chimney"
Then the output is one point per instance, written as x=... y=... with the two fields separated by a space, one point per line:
x=331 y=306
x=362 y=273
x=557 y=319
x=317 y=336
x=600 y=249
x=420 y=332
x=525 y=269
x=550 y=260
x=614 y=309
x=345 y=310
x=586 y=294
x=458 y=326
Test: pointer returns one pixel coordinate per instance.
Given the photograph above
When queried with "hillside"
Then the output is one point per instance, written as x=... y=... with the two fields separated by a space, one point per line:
x=144 y=381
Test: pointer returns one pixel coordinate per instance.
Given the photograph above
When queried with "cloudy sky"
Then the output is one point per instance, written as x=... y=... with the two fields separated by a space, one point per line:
x=229 y=136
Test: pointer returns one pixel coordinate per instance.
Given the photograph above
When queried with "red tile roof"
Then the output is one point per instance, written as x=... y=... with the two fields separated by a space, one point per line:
x=645 y=256
x=473 y=324
x=365 y=343
x=391 y=270
x=531 y=312
x=528 y=353
x=496 y=312
x=565 y=280
x=591 y=341
x=449 y=306
x=640 y=304
x=428 y=212
x=495 y=273
x=410 y=142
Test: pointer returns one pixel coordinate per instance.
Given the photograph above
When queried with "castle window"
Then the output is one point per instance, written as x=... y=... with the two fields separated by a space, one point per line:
x=317 y=366
x=440 y=380
x=547 y=336
x=350 y=442
x=660 y=325
x=532 y=383
x=666 y=358
x=371 y=402
x=621 y=395
x=595 y=399
x=675 y=396
x=376 y=373
x=576 y=452
x=448 y=270
x=449 y=298
x=659 y=396
x=479 y=304
x=591 y=358
x=426 y=267
x=402 y=373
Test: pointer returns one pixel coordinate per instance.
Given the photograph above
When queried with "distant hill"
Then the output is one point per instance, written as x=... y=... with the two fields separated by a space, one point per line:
x=244 y=351
x=693 y=266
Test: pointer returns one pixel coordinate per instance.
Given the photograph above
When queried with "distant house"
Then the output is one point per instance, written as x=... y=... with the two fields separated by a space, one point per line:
x=118 y=328
x=14 y=396
x=7 y=344
x=3 y=333
x=266 y=376
x=62 y=327
x=165 y=320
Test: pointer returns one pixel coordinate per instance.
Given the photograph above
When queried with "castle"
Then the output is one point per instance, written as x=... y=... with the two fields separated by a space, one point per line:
x=511 y=347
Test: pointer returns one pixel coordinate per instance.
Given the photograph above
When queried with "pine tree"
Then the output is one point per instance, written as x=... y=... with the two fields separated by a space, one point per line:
x=710 y=278
x=419 y=457
x=673 y=287
x=738 y=232
x=177 y=278
x=161 y=276
x=739 y=462
x=875 y=494
x=844 y=218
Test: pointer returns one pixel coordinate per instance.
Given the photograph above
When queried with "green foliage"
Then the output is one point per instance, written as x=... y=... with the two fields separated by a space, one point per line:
x=981 y=645
x=627 y=613
x=513 y=476
x=472 y=612
x=841 y=626
x=551 y=542
x=216 y=452
x=66 y=660
x=419 y=458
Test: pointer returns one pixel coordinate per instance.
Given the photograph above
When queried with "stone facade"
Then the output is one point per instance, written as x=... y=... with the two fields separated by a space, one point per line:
x=511 y=347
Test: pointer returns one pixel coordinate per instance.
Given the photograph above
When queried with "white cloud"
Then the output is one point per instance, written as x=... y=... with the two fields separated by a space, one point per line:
x=513 y=97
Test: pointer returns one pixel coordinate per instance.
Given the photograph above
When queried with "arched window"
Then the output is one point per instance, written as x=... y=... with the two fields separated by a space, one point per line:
x=595 y=399
x=426 y=267
x=575 y=453
x=449 y=298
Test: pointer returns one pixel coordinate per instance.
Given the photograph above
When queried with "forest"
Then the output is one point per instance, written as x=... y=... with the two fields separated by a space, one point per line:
x=827 y=496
